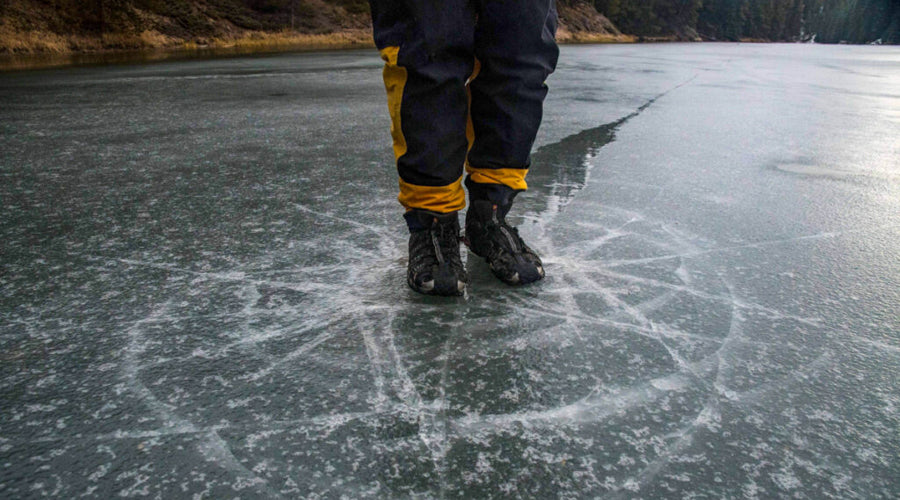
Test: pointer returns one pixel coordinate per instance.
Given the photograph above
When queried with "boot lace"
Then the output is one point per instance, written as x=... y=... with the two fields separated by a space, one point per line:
x=437 y=245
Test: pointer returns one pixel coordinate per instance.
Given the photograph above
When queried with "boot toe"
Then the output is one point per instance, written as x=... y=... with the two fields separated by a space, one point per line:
x=446 y=282
x=529 y=273
x=525 y=271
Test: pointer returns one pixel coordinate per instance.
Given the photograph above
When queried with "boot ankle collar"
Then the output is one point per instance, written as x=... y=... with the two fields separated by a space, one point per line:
x=498 y=194
x=421 y=220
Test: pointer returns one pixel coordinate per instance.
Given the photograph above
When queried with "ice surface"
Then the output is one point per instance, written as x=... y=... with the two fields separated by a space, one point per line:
x=203 y=286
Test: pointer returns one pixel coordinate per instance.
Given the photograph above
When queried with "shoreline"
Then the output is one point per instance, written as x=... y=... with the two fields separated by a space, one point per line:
x=121 y=51
x=147 y=49
x=115 y=49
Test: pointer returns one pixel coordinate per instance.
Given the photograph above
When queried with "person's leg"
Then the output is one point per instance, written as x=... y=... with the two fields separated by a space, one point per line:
x=427 y=46
x=516 y=48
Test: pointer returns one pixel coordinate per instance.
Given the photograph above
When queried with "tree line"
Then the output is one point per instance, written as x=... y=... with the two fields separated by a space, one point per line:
x=828 y=21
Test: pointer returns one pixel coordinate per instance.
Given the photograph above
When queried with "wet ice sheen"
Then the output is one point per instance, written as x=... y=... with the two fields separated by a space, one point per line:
x=203 y=289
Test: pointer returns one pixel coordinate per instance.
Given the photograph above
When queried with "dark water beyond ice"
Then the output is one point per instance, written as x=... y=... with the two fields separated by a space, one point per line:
x=203 y=290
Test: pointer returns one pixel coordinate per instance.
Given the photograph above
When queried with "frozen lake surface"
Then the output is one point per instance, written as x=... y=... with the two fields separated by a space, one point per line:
x=203 y=286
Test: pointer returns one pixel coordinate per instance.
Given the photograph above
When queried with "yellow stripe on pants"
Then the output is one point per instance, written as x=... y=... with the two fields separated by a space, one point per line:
x=511 y=177
x=441 y=199
x=394 y=82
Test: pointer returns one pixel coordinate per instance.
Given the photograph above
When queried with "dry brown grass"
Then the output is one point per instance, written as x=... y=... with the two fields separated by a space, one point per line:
x=288 y=39
x=41 y=42
x=38 y=49
x=565 y=36
x=30 y=42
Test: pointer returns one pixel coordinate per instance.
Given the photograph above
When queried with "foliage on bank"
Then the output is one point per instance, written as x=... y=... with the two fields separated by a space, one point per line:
x=827 y=21
x=29 y=26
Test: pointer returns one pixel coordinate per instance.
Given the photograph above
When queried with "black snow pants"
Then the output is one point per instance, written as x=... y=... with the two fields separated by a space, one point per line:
x=466 y=83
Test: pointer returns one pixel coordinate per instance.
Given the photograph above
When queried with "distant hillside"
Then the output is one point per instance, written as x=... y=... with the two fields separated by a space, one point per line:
x=67 y=26
x=579 y=21
x=61 y=26
x=75 y=25
x=827 y=21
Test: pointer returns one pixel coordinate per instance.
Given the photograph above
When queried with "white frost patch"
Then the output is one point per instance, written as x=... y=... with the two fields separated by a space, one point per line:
x=673 y=384
x=201 y=353
x=709 y=417
x=520 y=344
x=867 y=454
x=631 y=485
x=100 y=472
x=511 y=394
x=38 y=408
x=239 y=402
x=786 y=480
x=534 y=375
x=483 y=464
x=822 y=415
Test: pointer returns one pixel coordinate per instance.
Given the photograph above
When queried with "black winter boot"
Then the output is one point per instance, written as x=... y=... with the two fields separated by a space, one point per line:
x=435 y=267
x=489 y=236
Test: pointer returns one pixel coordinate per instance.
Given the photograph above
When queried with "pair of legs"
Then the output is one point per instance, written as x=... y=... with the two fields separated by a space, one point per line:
x=465 y=84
